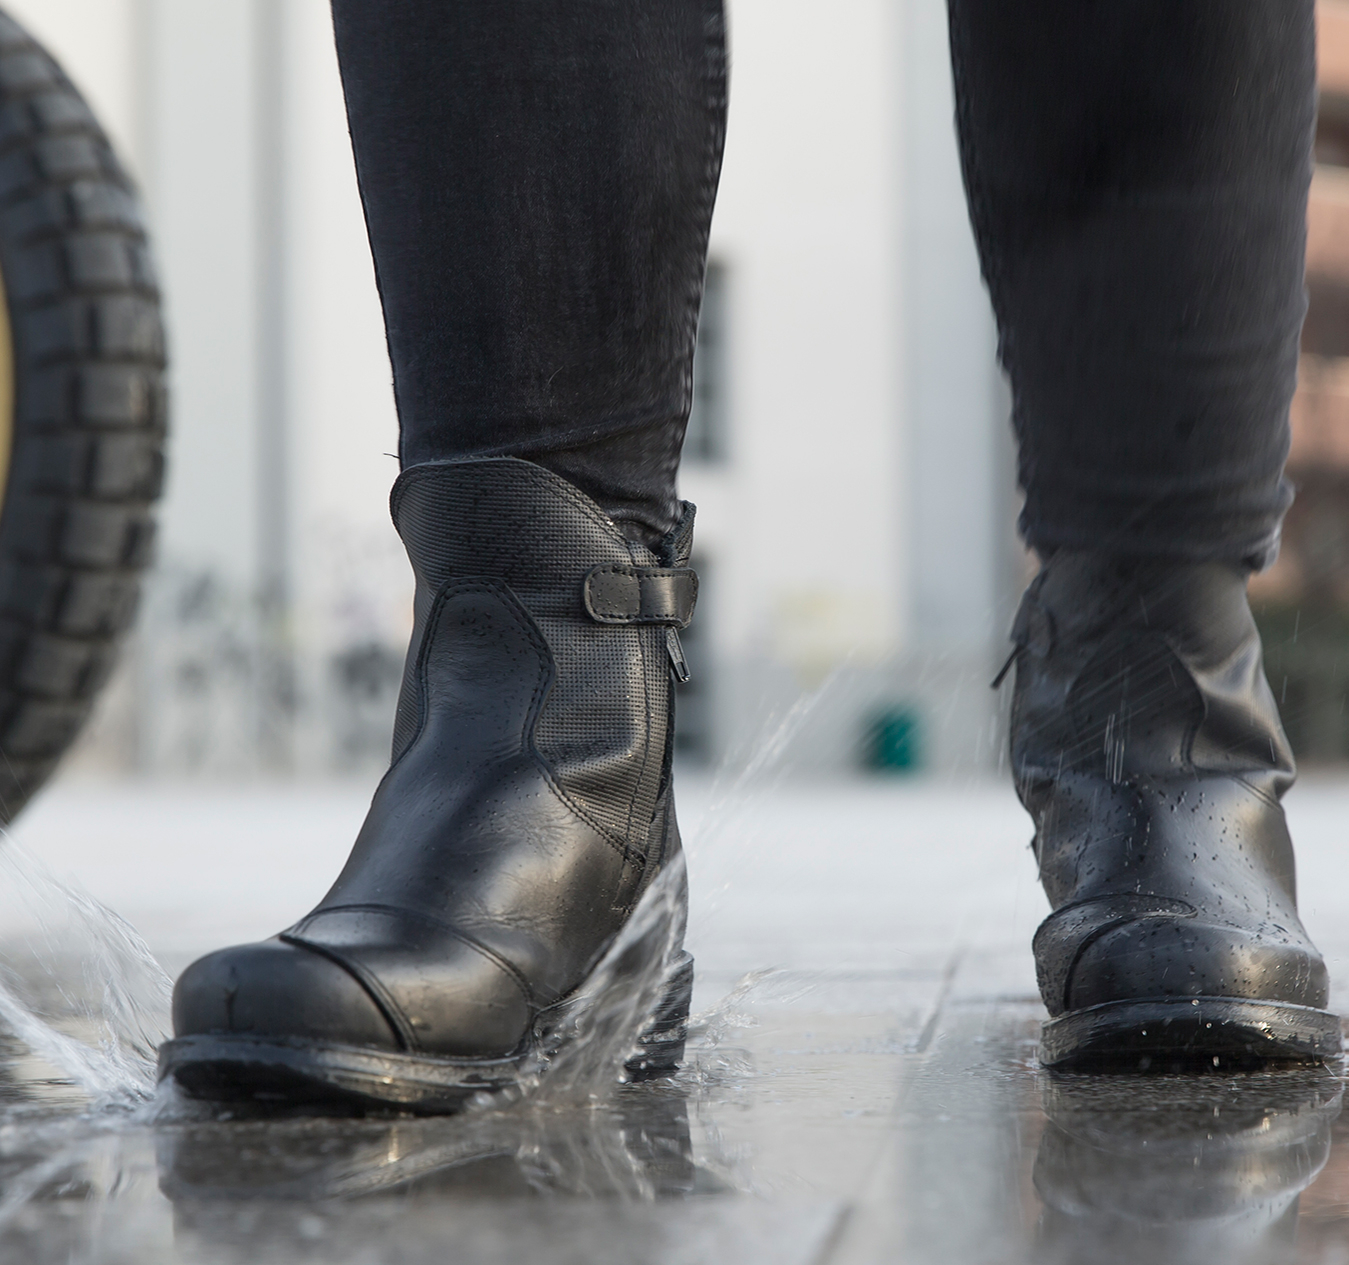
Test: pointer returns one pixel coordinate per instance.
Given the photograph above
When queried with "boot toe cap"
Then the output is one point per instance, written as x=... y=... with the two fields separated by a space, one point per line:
x=276 y=989
x=1164 y=957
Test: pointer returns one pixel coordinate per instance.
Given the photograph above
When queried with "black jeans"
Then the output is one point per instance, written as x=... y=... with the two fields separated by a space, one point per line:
x=538 y=180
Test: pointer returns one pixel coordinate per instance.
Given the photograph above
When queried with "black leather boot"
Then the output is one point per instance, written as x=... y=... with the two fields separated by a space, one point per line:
x=1147 y=747
x=527 y=810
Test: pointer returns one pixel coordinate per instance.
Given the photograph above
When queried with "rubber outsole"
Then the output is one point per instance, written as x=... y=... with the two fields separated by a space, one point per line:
x=1213 y=1031
x=281 y=1071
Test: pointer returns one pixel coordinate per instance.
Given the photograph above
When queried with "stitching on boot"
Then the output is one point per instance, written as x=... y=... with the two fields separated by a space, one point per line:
x=383 y=1002
x=608 y=612
x=513 y=607
x=513 y=470
x=440 y=924
x=425 y=472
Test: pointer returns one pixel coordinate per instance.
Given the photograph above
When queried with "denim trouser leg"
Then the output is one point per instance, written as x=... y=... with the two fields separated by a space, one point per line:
x=538 y=179
x=1137 y=174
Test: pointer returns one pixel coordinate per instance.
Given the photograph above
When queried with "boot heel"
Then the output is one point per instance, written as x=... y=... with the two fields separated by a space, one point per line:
x=661 y=1047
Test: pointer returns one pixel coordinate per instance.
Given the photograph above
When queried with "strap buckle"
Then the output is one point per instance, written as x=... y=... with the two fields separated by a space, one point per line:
x=621 y=594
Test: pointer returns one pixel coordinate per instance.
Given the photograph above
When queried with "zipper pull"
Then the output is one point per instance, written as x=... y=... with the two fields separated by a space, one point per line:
x=677 y=660
x=1006 y=668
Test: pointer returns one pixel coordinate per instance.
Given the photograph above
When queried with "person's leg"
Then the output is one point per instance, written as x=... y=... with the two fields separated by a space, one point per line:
x=1137 y=176
x=538 y=180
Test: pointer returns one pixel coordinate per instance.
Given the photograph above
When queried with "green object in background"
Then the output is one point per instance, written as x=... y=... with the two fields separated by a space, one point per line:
x=896 y=741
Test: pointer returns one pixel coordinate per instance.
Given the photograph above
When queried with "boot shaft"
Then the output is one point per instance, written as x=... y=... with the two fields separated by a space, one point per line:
x=1142 y=668
x=607 y=609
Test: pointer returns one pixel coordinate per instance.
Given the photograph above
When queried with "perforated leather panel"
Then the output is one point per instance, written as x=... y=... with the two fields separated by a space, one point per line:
x=603 y=726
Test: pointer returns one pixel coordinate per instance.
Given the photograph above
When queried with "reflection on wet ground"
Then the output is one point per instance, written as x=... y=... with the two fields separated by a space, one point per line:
x=1201 y=1170
x=660 y=1171
x=1062 y=1169
x=876 y=1099
x=808 y=1127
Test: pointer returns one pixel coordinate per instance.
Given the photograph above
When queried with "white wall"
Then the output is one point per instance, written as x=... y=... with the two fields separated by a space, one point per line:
x=959 y=499
x=352 y=582
x=202 y=194
x=805 y=527
x=863 y=525
x=959 y=492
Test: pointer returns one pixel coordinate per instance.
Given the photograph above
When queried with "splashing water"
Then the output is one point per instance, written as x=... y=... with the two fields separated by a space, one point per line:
x=590 y=1036
x=599 y=1027
x=100 y=1022
x=78 y=985
x=80 y=988
x=734 y=779
x=741 y=787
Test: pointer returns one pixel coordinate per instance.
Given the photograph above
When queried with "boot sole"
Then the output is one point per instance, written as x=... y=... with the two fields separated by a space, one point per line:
x=288 y=1071
x=1203 y=1031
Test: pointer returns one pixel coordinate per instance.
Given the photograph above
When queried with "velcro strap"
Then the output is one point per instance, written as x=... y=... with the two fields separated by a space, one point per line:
x=619 y=594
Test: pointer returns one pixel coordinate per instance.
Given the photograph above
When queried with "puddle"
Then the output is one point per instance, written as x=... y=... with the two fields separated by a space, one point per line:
x=82 y=994
x=1185 y=1168
x=98 y=1164
x=885 y=1108
x=1115 y=1168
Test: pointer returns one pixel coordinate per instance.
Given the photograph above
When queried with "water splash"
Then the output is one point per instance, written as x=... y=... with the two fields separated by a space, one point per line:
x=730 y=1014
x=765 y=763
x=80 y=988
x=587 y=1039
x=741 y=786
x=617 y=1003
x=78 y=985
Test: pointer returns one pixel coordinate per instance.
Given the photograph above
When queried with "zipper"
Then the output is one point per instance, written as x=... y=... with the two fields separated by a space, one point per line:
x=677 y=660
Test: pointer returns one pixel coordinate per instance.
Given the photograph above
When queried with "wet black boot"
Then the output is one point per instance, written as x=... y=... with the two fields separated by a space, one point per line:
x=1147 y=747
x=527 y=810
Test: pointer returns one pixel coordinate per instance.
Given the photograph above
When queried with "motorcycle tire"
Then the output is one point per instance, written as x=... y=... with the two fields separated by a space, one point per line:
x=82 y=411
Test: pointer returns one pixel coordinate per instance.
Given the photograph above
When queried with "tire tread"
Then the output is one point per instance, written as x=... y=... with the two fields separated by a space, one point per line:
x=90 y=412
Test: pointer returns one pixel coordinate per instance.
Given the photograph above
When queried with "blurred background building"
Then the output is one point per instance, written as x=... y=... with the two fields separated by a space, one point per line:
x=1302 y=602
x=849 y=450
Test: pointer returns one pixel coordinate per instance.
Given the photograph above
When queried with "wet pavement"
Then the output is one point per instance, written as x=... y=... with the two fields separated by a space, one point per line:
x=861 y=1084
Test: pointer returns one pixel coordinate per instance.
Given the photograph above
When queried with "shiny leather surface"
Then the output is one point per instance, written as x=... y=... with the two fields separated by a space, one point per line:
x=1148 y=750
x=528 y=804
